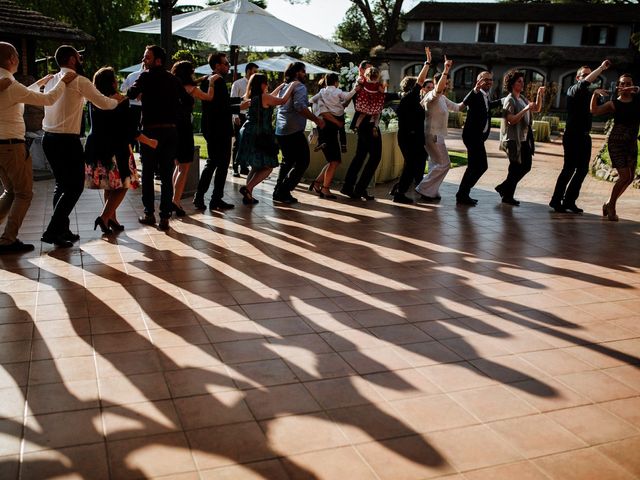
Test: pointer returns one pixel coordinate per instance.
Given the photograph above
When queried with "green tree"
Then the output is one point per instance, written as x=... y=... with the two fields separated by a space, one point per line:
x=102 y=20
x=370 y=22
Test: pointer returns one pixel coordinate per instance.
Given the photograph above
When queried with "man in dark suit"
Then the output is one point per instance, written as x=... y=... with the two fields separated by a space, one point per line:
x=217 y=129
x=474 y=134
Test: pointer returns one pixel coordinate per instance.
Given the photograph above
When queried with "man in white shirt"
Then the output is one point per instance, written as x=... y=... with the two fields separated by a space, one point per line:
x=61 y=142
x=15 y=161
x=135 y=105
x=239 y=89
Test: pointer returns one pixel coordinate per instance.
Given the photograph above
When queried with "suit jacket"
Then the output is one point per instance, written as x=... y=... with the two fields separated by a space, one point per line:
x=477 y=116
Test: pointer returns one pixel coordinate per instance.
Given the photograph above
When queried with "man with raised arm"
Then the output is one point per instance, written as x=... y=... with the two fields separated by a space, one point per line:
x=576 y=141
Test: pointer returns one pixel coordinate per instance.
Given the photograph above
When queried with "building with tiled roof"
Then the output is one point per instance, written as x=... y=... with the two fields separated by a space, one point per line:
x=548 y=41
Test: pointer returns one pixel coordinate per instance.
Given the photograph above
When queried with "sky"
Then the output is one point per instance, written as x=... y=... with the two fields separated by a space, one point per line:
x=319 y=17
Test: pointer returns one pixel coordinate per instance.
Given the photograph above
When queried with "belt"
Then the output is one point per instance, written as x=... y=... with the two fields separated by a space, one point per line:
x=159 y=125
x=75 y=135
x=11 y=141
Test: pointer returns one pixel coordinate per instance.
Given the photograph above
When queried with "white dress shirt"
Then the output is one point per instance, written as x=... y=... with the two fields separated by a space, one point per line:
x=128 y=83
x=437 y=107
x=12 y=102
x=66 y=114
x=238 y=89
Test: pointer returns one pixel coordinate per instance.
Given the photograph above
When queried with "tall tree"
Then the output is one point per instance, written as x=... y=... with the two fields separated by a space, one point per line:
x=379 y=18
x=101 y=20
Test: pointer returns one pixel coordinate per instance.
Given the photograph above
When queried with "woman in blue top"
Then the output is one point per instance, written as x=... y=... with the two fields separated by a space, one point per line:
x=258 y=147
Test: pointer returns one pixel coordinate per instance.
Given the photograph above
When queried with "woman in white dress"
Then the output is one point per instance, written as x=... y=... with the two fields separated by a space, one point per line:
x=437 y=107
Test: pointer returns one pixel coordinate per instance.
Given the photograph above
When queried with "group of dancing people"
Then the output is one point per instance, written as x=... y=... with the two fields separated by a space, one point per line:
x=421 y=139
x=162 y=126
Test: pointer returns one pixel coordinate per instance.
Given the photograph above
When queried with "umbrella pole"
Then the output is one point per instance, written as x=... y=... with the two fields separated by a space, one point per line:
x=234 y=59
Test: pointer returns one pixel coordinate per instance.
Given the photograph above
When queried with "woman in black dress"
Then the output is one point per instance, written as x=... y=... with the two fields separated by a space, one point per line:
x=184 y=72
x=411 y=132
x=108 y=156
x=622 y=142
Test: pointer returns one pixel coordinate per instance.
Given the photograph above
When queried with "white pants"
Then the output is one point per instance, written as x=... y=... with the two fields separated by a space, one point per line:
x=439 y=165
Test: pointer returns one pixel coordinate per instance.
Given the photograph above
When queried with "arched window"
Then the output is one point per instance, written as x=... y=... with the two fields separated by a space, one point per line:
x=568 y=80
x=413 y=70
x=532 y=76
x=465 y=77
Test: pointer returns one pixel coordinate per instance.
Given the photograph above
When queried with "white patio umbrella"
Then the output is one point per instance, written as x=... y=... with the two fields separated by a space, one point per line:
x=239 y=23
x=273 y=64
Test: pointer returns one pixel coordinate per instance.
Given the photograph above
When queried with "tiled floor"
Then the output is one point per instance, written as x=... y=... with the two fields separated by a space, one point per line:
x=331 y=339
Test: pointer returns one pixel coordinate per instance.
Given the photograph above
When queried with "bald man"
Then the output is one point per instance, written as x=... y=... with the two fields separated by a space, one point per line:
x=15 y=162
x=475 y=133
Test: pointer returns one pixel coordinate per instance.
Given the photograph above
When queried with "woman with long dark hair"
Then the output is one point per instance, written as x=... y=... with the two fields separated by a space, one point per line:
x=258 y=146
x=184 y=71
x=108 y=156
x=622 y=142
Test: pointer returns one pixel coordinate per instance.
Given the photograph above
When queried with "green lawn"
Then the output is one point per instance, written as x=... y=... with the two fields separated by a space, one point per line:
x=200 y=142
x=607 y=160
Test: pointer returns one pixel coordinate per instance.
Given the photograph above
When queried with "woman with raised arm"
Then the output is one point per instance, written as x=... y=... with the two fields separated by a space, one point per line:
x=411 y=132
x=623 y=138
x=184 y=71
x=516 y=136
x=437 y=107
x=258 y=145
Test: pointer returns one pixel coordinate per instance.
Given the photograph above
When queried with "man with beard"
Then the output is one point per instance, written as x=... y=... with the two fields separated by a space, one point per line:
x=161 y=95
x=290 y=124
x=16 y=175
x=61 y=143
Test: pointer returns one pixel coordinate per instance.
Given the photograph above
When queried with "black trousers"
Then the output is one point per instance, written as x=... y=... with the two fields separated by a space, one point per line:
x=476 y=165
x=66 y=157
x=519 y=166
x=160 y=161
x=216 y=167
x=577 y=154
x=368 y=145
x=415 y=157
x=236 y=145
x=295 y=161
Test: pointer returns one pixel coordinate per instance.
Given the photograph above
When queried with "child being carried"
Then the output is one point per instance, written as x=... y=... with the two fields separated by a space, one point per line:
x=370 y=98
x=329 y=104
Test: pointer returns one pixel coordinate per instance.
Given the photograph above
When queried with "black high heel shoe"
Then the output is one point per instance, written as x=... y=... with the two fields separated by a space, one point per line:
x=179 y=211
x=327 y=196
x=312 y=186
x=100 y=223
x=115 y=226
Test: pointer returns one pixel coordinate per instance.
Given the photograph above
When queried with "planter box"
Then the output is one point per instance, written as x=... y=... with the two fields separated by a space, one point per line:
x=389 y=169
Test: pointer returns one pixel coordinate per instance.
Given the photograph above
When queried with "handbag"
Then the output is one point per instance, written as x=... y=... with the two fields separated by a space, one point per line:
x=265 y=141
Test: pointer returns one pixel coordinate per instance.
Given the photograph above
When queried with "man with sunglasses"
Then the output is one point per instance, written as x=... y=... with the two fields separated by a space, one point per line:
x=217 y=128
x=576 y=141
